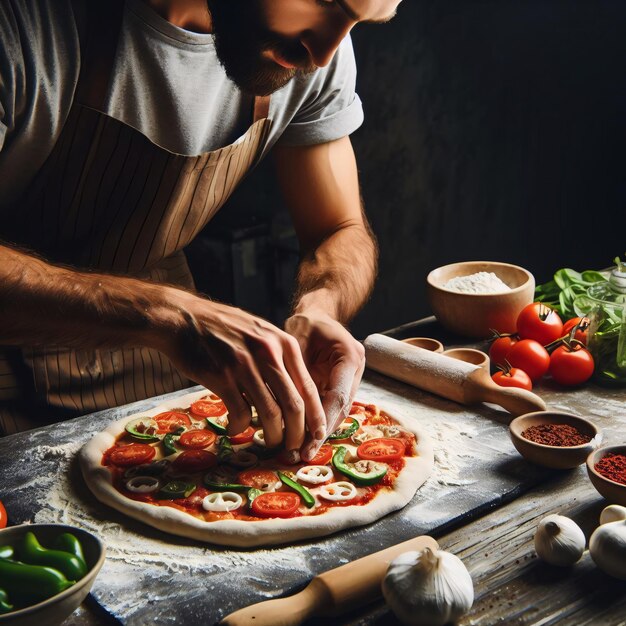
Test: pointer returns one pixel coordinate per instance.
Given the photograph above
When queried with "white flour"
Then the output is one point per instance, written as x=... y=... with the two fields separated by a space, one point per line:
x=481 y=282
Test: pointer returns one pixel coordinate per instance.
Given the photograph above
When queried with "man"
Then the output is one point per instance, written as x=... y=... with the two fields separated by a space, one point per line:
x=123 y=128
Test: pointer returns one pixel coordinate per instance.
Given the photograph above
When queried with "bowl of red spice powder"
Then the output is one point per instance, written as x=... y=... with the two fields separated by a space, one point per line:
x=607 y=471
x=554 y=439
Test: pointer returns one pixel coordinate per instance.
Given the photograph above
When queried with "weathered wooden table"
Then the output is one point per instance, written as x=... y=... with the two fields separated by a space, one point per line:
x=493 y=537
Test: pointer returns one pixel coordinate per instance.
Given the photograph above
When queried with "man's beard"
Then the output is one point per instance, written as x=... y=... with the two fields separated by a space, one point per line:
x=239 y=42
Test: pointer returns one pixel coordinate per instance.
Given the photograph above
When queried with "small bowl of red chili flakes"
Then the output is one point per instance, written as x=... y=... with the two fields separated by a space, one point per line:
x=607 y=470
x=554 y=439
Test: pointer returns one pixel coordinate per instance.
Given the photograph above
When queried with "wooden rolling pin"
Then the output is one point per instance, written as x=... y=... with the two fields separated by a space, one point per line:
x=331 y=593
x=444 y=376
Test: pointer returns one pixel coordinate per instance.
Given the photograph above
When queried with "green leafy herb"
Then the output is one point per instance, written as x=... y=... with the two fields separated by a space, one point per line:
x=560 y=294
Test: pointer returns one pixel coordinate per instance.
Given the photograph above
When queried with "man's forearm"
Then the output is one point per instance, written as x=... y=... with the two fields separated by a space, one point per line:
x=338 y=276
x=41 y=303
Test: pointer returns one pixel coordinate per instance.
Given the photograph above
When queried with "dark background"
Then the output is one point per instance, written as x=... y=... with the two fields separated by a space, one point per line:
x=494 y=130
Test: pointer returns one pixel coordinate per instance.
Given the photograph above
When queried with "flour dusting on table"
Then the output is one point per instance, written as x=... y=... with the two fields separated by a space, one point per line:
x=140 y=557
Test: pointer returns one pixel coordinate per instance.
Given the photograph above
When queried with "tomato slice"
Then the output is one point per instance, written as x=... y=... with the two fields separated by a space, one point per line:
x=243 y=437
x=277 y=504
x=258 y=478
x=194 y=461
x=132 y=454
x=3 y=516
x=169 y=421
x=206 y=408
x=197 y=439
x=382 y=449
x=323 y=456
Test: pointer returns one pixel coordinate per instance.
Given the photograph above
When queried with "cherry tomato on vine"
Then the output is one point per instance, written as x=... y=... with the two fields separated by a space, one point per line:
x=539 y=322
x=583 y=326
x=571 y=366
x=3 y=516
x=530 y=356
x=513 y=377
x=500 y=348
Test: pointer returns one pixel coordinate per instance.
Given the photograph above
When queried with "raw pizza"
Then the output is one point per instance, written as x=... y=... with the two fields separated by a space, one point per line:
x=175 y=468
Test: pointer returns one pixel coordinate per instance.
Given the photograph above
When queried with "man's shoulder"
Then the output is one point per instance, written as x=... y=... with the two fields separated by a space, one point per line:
x=322 y=106
x=326 y=80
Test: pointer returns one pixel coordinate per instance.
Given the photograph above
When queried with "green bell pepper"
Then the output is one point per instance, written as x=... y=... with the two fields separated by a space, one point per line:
x=225 y=448
x=303 y=492
x=6 y=552
x=5 y=605
x=175 y=489
x=349 y=469
x=344 y=433
x=33 y=553
x=221 y=480
x=216 y=426
x=252 y=494
x=143 y=428
x=169 y=440
x=69 y=543
x=36 y=581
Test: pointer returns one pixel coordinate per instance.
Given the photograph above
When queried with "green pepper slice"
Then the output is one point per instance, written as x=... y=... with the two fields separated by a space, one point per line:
x=70 y=543
x=33 y=553
x=176 y=489
x=349 y=470
x=137 y=428
x=5 y=605
x=252 y=494
x=156 y=468
x=225 y=448
x=6 y=552
x=220 y=480
x=216 y=426
x=37 y=581
x=169 y=440
x=303 y=492
x=345 y=432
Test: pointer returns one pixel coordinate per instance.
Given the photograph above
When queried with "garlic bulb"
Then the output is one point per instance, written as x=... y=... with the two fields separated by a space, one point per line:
x=428 y=588
x=607 y=547
x=559 y=540
x=612 y=513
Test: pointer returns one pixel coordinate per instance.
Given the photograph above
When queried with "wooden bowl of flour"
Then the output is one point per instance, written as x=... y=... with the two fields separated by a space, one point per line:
x=473 y=297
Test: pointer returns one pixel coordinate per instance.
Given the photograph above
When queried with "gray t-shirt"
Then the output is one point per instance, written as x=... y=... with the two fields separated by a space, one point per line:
x=167 y=83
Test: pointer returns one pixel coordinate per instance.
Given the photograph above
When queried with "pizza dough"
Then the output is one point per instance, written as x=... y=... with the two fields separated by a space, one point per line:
x=261 y=532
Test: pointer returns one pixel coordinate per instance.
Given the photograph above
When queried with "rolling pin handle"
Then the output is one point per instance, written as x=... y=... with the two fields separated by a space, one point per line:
x=290 y=611
x=515 y=401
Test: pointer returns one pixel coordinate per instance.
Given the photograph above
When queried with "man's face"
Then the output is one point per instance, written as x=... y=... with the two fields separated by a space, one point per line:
x=263 y=44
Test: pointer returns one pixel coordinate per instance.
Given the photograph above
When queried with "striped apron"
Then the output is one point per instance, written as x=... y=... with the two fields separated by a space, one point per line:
x=109 y=199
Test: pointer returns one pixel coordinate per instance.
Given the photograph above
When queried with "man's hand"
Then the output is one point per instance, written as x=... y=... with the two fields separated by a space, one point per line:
x=336 y=274
x=246 y=360
x=335 y=361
